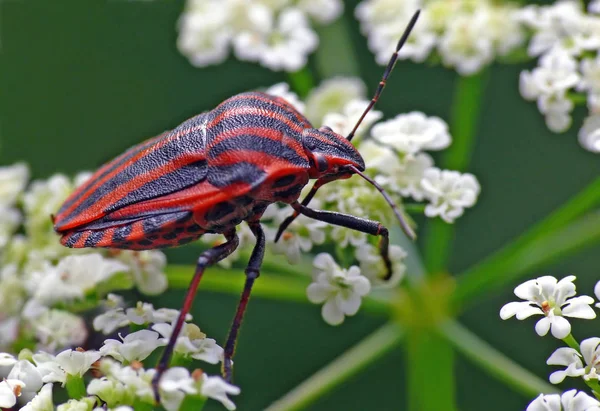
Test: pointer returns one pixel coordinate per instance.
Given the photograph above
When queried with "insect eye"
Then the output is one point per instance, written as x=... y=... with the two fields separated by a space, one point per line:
x=322 y=162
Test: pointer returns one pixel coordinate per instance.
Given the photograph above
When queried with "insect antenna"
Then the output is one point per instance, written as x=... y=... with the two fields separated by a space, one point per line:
x=403 y=223
x=386 y=73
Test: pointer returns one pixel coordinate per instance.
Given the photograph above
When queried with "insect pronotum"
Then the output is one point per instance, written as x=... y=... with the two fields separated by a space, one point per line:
x=209 y=174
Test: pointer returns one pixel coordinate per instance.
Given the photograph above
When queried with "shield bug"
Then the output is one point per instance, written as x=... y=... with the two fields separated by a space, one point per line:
x=208 y=175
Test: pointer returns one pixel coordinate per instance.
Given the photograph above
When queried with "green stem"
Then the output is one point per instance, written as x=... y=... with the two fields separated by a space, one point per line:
x=545 y=243
x=335 y=55
x=75 y=387
x=427 y=352
x=269 y=285
x=348 y=364
x=466 y=106
x=571 y=342
x=495 y=363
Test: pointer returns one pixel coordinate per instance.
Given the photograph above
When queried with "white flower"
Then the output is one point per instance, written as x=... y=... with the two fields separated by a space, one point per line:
x=110 y=321
x=192 y=342
x=42 y=401
x=300 y=236
x=465 y=45
x=568 y=401
x=323 y=11
x=283 y=90
x=549 y=83
x=56 y=329
x=135 y=346
x=137 y=382
x=384 y=21
x=12 y=183
x=408 y=179
x=84 y=404
x=108 y=390
x=9 y=391
x=373 y=267
x=75 y=362
x=26 y=372
x=12 y=291
x=590 y=351
x=340 y=290
x=68 y=362
x=590 y=81
x=280 y=43
x=218 y=389
x=552 y=299
x=204 y=35
x=331 y=96
x=9 y=222
x=74 y=276
x=147 y=267
x=413 y=132
x=589 y=134
x=7 y=359
x=175 y=383
x=142 y=313
x=343 y=123
x=449 y=193
x=594 y=6
x=560 y=25
x=569 y=357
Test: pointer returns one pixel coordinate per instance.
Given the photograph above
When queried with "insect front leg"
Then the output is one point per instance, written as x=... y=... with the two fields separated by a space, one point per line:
x=207 y=258
x=252 y=273
x=354 y=223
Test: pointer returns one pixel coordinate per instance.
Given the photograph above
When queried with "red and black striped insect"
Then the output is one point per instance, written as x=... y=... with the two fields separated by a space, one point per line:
x=211 y=173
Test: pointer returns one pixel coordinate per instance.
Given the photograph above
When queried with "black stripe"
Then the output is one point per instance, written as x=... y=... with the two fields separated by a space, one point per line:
x=127 y=155
x=93 y=238
x=236 y=103
x=236 y=120
x=243 y=172
x=121 y=233
x=293 y=190
x=186 y=144
x=256 y=143
x=156 y=223
x=176 y=180
x=73 y=239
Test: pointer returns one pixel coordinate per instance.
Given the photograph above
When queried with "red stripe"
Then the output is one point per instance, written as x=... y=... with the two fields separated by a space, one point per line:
x=264 y=132
x=99 y=182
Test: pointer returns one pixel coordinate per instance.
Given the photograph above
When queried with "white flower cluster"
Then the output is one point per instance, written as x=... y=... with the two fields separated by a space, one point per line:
x=556 y=300
x=467 y=35
x=119 y=380
x=277 y=34
x=41 y=282
x=395 y=155
x=566 y=40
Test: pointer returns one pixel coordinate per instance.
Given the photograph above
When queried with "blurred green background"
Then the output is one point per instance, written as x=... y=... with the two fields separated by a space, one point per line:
x=83 y=80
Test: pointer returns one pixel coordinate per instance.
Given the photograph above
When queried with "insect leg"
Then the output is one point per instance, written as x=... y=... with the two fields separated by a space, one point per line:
x=207 y=258
x=289 y=220
x=252 y=273
x=354 y=223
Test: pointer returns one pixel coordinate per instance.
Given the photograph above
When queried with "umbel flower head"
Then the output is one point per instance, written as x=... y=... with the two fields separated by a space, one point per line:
x=553 y=299
x=278 y=35
x=569 y=357
x=568 y=401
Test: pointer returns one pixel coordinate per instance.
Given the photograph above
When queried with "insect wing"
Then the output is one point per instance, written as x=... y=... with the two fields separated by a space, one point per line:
x=158 y=167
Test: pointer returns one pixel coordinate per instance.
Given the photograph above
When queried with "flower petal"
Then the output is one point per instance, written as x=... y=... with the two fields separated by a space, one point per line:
x=560 y=327
x=332 y=314
x=542 y=326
